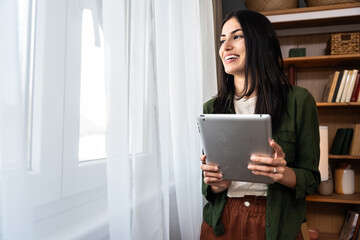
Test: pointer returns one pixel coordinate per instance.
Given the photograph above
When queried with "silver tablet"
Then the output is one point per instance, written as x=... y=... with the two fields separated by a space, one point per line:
x=229 y=140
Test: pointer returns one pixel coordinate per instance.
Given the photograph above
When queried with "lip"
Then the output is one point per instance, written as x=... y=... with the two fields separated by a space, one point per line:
x=230 y=60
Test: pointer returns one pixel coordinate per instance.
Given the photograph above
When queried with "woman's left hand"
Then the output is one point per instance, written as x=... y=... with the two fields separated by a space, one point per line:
x=274 y=167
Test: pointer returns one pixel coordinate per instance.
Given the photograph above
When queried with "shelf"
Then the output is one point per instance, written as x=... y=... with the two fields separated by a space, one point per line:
x=335 y=14
x=323 y=61
x=344 y=157
x=344 y=104
x=328 y=236
x=335 y=198
x=311 y=9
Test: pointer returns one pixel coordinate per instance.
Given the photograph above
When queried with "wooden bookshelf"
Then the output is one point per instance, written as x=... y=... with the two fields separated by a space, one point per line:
x=323 y=61
x=335 y=198
x=311 y=9
x=344 y=157
x=311 y=28
x=328 y=236
x=329 y=15
x=344 y=104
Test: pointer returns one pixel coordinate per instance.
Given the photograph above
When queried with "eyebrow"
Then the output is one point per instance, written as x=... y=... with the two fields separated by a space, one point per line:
x=239 y=29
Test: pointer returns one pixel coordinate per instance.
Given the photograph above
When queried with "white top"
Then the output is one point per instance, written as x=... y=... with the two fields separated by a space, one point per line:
x=238 y=188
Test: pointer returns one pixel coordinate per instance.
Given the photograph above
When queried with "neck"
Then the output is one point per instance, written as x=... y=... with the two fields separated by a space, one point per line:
x=239 y=83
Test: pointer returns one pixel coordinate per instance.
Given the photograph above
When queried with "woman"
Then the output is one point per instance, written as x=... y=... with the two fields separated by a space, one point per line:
x=254 y=82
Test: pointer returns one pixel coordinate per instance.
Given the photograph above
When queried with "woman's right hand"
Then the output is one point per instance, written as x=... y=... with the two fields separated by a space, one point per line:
x=213 y=177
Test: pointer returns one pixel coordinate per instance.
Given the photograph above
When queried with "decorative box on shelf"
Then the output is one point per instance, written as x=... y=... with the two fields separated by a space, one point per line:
x=344 y=43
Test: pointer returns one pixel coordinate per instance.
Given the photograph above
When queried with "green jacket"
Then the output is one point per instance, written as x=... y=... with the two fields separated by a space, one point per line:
x=299 y=138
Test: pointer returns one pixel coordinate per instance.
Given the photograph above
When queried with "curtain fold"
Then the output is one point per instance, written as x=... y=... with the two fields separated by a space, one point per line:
x=15 y=200
x=159 y=69
x=115 y=14
x=185 y=96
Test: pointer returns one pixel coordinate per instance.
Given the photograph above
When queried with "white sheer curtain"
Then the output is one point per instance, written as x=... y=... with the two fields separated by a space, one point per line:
x=14 y=197
x=154 y=69
x=154 y=76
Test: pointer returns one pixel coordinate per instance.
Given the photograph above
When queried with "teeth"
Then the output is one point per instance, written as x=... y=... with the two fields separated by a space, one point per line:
x=231 y=57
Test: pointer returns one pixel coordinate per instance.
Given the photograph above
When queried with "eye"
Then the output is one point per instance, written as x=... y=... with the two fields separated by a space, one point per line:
x=222 y=42
x=238 y=36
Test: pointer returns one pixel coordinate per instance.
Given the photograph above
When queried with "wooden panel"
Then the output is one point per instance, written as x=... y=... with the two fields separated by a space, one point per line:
x=355 y=164
x=314 y=80
x=344 y=104
x=328 y=236
x=326 y=217
x=335 y=198
x=349 y=60
x=315 y=45
x=314 y=19
x=338 y=117
x=312 y=9
x=217 y=11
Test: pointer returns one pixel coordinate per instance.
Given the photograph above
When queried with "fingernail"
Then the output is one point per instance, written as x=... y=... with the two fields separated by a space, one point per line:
x=252 y=157
x=250 y=167
x=220 y=175
x=216 y=168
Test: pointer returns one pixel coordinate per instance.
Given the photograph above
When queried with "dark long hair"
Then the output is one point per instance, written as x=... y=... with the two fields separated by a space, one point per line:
x=265 y=62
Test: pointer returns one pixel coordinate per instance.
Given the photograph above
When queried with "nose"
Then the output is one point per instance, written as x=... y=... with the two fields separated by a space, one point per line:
x=227 y=45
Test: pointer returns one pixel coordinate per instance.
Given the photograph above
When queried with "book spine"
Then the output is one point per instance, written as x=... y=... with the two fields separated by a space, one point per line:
x=333 y=86
x=342 y=85
x=338 y=83
x=351 y=85
x=356 y=89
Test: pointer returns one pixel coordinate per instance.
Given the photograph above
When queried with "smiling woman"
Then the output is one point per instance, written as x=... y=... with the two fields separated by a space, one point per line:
x=254 y=82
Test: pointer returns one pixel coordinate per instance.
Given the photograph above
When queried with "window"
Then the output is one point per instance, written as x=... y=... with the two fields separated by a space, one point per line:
x=92 y=144
x=84 y=145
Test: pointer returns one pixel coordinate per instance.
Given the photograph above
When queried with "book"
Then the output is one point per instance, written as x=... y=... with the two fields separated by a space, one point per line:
x=327 y=89
x=356 y=89
x=347 y=141
x=346 y=86
x=333 y=86
x=349 y=225
x=351 y=85
x=355 y=143
x=356 y=234
x=342 y=85
x=338 y=141
x=358 y=93
x=338 y=83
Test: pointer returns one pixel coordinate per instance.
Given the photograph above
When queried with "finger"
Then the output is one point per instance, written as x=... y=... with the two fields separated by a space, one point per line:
x=217 y=175
x=278 y=150
x=268 y=160
x=266 y=168
x=212 y=181
x=203 y=158
x=209 y=167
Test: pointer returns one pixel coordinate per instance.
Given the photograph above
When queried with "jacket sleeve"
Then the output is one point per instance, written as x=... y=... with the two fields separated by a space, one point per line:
x=307 y=146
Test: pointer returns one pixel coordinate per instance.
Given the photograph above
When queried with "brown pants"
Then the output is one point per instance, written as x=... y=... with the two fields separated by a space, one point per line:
x=243 y=218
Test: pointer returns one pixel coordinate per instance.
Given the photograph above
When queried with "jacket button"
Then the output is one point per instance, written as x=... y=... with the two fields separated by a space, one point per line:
x=247 y=204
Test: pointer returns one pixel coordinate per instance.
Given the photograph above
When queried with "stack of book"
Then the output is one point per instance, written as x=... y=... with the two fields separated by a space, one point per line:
x=346 y=141
x=350 y=229
x=343 y=86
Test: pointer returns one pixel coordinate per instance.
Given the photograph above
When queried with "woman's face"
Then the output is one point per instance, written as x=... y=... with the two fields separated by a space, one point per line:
x=232 y=50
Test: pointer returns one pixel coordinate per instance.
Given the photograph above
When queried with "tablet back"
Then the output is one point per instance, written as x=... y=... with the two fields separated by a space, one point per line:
x=230 y=139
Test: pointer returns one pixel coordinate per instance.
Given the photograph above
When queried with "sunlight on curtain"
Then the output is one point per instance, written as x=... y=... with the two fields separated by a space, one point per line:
x=154 y=86
x=14 y=197
x=185 y=102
